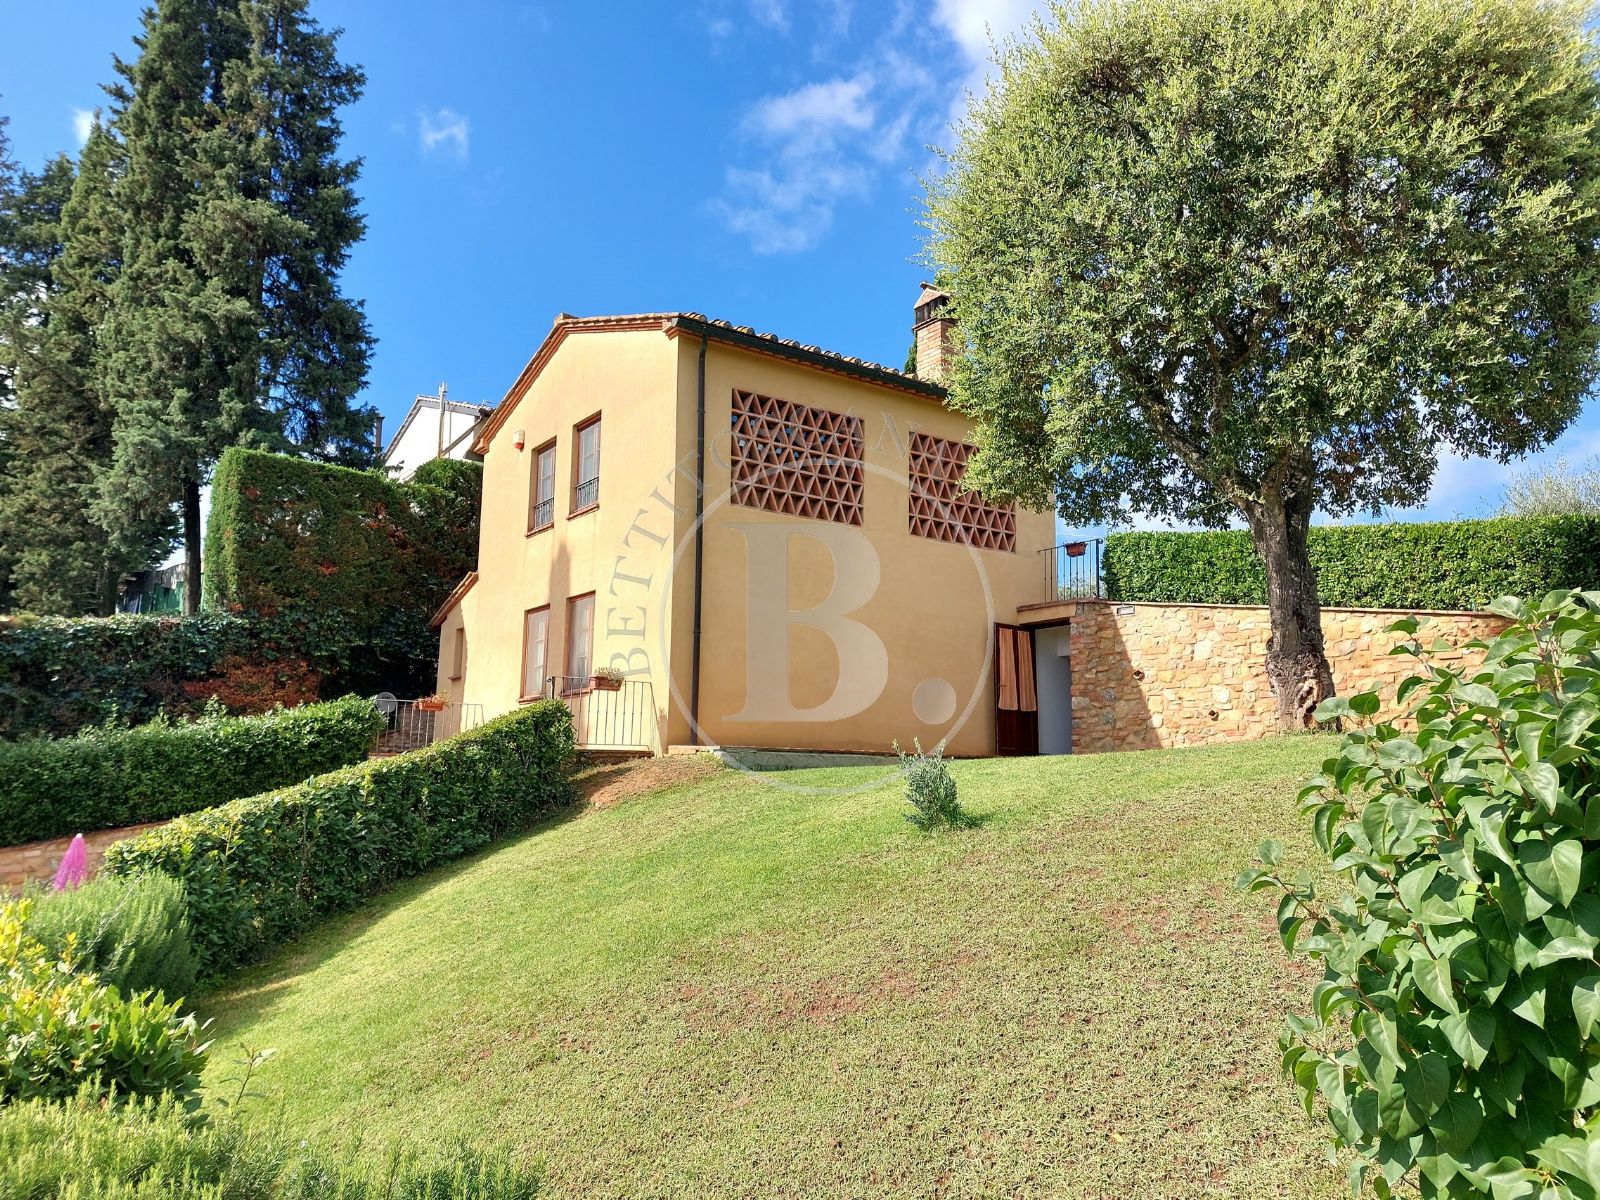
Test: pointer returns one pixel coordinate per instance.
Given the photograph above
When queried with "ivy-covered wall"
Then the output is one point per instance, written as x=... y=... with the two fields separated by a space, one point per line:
x=359 y=557
x=1440 y=565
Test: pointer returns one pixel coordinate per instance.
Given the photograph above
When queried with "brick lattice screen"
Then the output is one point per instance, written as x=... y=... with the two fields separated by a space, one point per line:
x=940 y=508
x=794 y=459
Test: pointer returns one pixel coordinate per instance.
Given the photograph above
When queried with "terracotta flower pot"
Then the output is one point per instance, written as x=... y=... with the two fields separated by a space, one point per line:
x=1076 y=549
x=430 y=705
x=604 y=683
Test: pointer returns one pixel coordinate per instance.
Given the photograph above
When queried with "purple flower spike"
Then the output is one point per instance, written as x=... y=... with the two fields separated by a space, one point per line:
x=74 y=868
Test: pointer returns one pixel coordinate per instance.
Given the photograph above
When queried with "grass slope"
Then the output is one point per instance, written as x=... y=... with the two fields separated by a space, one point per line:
x=736 y=989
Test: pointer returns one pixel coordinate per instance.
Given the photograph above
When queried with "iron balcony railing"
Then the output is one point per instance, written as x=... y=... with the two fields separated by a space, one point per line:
x=413 y=724
x=1072 y=571
x=586 y=494
x=544 y=513
x=609 y=714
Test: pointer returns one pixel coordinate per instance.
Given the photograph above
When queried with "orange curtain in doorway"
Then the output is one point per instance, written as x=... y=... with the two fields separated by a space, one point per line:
x=1027 y=694
x=1006 y=664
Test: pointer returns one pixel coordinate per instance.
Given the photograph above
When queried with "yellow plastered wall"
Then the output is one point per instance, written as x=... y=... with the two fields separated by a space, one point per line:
x=933 y=609
x=930 y=608
x=619 y=551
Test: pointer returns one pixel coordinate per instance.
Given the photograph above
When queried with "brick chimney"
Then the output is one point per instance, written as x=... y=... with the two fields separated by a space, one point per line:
x=935 y=334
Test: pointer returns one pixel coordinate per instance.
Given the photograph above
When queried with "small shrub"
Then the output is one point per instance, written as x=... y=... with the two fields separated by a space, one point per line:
x=131 y=933
x=261 y=870
x=62 y=1030
x=1455 y=1036
x=931 y=789
x=154 y=1150
x=108 y=778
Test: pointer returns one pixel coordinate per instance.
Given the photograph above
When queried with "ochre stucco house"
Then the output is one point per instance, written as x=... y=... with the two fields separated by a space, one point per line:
x=831 y=587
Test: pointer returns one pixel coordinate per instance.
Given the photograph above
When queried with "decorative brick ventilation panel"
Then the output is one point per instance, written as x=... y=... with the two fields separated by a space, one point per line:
x=945 y=511
x=795 y=459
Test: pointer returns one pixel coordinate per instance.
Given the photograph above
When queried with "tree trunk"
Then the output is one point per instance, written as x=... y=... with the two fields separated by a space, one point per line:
x=1297 y=663
x=191 y=547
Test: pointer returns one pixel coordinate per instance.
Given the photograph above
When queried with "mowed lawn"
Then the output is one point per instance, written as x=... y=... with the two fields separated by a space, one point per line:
x=741 y=988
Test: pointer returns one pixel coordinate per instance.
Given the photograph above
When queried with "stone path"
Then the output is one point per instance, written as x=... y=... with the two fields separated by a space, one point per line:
x=39 y=860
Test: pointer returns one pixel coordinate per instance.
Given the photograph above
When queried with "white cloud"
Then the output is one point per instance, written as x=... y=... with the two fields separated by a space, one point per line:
x=808 y=149
x=976 y=24
x=812 y=141
x=443 y=131
x=818 y=110
x=82 y=124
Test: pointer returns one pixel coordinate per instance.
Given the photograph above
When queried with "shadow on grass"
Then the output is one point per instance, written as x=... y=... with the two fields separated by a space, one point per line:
x=252 y=991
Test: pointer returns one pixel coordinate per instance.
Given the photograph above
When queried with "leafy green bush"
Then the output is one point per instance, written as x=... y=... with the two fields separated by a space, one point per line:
x=1426 y=565
x=931 y=790
x=108 y=778
x=62 y=1030
x=260 y=870
x=1455 y=1035
x=154 y=1150
x=131 y=933
x=355 y=549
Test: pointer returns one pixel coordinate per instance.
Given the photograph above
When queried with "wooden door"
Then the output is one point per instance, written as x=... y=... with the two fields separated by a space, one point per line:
x=1016 y=724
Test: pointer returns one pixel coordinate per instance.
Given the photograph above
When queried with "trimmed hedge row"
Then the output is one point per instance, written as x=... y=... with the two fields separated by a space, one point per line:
x=107 y=778
x=290 y=536
x=1428 y=565
x=258 y=871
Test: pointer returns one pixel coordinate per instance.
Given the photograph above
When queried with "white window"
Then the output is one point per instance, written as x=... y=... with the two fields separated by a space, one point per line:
x=542 y=505
x=535 y=642
x=580 y=639
x=586 y=466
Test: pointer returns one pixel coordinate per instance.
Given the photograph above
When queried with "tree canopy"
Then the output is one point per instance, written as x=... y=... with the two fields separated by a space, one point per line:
x=1250 y=259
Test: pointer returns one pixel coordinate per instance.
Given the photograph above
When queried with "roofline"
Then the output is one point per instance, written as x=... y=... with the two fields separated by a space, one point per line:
x=453 y=599
x=676 y=324
x=459 y=407
x=819 y=359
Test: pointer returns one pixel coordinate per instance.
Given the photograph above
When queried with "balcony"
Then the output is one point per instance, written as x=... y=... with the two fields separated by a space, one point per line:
x=609 y=714
x=1072 y=572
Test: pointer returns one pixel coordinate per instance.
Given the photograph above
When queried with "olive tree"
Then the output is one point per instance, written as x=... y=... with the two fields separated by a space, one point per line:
x=1247 y=260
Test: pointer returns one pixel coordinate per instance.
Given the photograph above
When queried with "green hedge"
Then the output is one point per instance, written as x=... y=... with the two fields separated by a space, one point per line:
x=259 y=871
x=107 y=778
x=1428 y=565
x=367 y=556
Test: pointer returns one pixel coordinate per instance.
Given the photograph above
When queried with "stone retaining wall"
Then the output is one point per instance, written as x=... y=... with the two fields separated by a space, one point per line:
x=1152 y=675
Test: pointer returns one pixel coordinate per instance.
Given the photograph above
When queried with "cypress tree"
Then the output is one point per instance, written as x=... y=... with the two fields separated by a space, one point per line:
x=227 y=324
x=61 y=559
x=31 y=207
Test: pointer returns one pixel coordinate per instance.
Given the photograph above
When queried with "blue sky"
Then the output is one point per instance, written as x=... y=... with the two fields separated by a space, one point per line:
x=756 y=160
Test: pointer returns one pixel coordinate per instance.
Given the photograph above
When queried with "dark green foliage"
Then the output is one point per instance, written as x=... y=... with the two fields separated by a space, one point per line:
x=109 y=778
x=131 y=933
x=1452 y=1038
x=931 y=790
x=62 y=1030
x=352 y=548
x=1252 y=260
x=58 y=558
x=154 y=1150
x=59 y=675
x=1428 y=565
x=261 y=870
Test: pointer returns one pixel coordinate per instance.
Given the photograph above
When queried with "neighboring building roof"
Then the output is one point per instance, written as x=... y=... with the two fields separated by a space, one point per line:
x=453 y=599
x=696 y=325
x=476 y=411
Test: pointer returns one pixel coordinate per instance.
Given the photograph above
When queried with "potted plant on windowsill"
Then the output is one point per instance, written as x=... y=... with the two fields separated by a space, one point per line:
x=606 y=679
x=433 y=703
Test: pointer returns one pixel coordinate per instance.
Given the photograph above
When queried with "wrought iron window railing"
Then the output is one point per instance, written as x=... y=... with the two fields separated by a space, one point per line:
x=586 y=494
x=544 y=513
